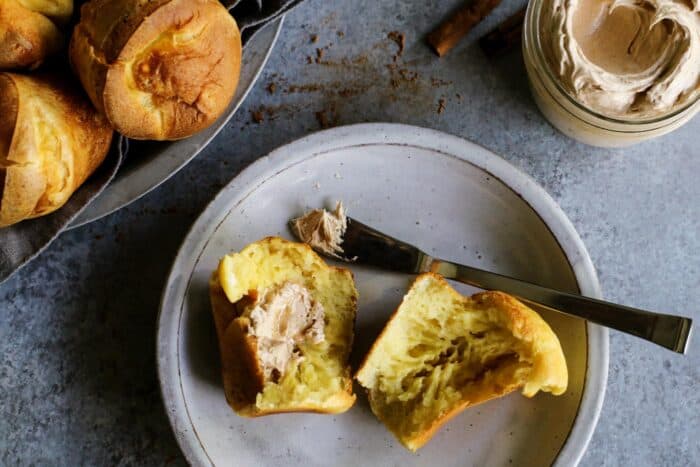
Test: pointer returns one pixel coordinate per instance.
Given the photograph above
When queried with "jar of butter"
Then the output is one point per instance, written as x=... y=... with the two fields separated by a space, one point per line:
x=614 y=72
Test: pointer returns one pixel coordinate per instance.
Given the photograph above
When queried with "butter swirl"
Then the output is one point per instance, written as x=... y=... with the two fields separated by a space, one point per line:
x=625 y=58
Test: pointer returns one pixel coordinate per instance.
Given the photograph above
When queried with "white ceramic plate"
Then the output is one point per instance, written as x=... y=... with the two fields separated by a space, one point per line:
x=442 y=193
x=151 y=163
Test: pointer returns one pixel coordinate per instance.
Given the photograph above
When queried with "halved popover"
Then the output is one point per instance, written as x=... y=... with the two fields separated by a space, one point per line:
x=284 y=321
x=442 y=352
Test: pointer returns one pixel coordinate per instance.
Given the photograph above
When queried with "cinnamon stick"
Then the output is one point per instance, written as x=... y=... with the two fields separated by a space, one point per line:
x=459 y=24
x=505 y=36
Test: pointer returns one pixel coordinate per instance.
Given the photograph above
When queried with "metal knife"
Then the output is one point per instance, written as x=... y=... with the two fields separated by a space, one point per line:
x=364 y=245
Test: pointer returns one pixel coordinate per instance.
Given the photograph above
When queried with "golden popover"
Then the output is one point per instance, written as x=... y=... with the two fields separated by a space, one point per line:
x=442 y=352
x=51 y=140
x=159 y=70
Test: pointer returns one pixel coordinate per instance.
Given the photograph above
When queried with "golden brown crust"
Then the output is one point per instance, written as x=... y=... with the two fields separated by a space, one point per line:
x=241 y=383
x=8 y=107
x=549 y=371
x=242 y=376
x=159 y=70
x=27 y=37
x=51 y=141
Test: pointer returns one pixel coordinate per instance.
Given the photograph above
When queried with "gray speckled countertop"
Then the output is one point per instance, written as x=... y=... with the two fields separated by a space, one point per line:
x=77 y=326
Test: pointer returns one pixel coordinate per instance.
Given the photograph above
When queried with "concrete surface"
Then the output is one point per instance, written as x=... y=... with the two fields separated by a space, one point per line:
x=77 y=366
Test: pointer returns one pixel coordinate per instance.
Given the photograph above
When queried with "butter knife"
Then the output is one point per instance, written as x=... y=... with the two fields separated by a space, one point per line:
x=364 y=245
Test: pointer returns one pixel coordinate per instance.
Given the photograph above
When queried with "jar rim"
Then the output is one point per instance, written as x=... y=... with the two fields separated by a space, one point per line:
x=531 y=34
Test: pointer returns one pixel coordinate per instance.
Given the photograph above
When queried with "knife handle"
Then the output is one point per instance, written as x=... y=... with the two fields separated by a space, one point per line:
x=669 y=331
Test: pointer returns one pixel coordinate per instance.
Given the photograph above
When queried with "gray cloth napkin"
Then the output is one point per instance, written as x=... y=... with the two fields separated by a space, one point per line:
x=22 y=242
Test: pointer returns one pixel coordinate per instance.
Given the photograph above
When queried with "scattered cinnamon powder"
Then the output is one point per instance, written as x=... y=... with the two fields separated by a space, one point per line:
x=437 y=82
x=401 y=76
x=441 y=105
x=353 y=75
x=342 y=63
x=343 y=88
x=408 y=74
x=322 y=119
x=329 y=18
x=257 y=116
x=271 y=112
x=327 y=117
x=400 y=40
x=305 y=88
x=350 y=92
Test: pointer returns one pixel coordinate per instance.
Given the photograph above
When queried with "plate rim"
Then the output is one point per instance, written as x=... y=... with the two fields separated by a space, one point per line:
x=86 y=217
x=287 y=155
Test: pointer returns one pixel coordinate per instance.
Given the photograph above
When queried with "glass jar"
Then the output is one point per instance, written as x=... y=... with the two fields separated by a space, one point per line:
x=574 y=119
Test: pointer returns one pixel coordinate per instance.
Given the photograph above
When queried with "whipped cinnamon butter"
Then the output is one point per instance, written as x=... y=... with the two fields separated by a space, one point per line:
x=612 y=73
x=281 y=319
x=322 y=230
x=630 y=59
